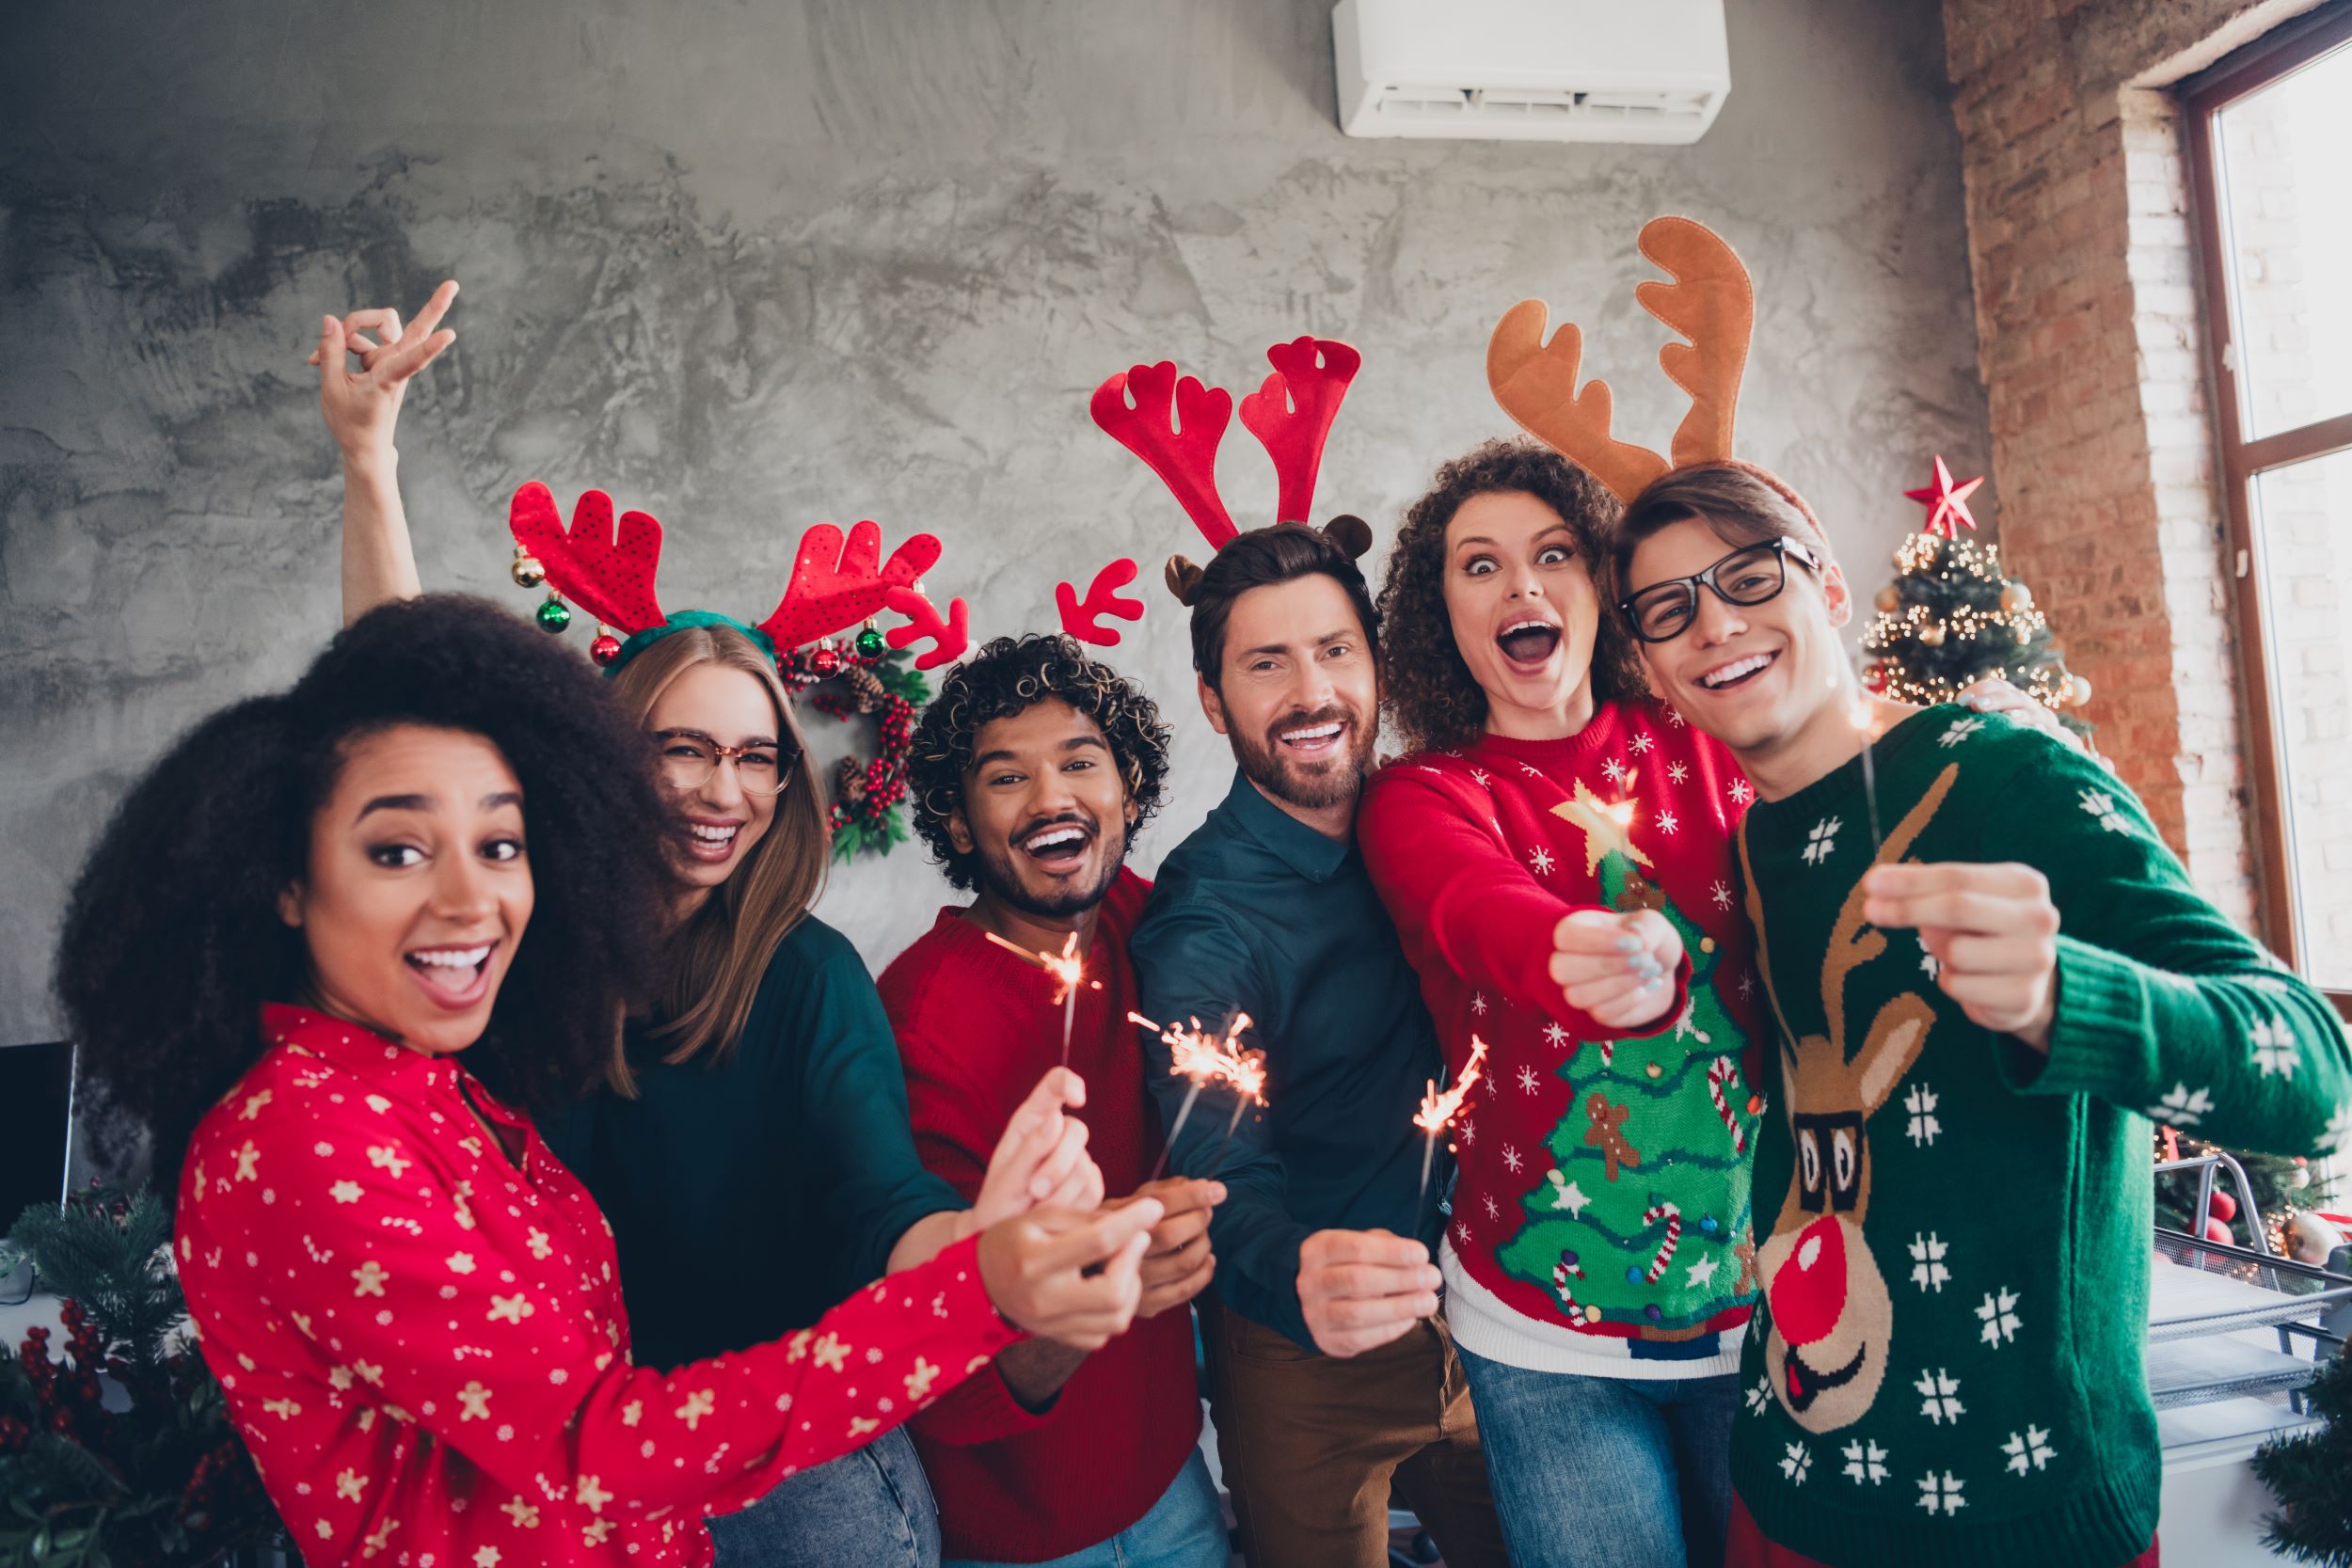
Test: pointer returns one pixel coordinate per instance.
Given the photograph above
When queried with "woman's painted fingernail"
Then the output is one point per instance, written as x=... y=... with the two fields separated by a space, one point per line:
x=1629 y=944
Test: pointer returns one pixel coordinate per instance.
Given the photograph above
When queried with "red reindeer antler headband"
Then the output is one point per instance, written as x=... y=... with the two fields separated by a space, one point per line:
x=1174 y=424
x=608 y=569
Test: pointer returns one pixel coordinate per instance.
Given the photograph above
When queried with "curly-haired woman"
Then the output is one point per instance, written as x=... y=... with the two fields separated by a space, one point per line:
x=1557 y=857
x=445 y=839
x=1031 y=773
x=751 y=1144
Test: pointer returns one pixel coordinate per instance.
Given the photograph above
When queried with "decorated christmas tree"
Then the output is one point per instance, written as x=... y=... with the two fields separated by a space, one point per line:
x=2283 y=1190
x=1654 y=1269
x=1953 y=616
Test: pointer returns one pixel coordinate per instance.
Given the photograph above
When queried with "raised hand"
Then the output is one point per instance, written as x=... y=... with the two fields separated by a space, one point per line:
x=1361 y=1289
x=1617 y=969
x=1040 y=1160
x=1996 y=695
x=362 y=410
x=1067 y=1277
x=1993 y=931
x=1178 y=1265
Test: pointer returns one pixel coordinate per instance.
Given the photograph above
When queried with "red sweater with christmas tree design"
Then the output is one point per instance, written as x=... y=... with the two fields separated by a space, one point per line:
x=1602 y=1222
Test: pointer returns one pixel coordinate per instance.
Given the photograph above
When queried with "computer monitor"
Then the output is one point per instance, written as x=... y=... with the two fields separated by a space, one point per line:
x=37 y=1152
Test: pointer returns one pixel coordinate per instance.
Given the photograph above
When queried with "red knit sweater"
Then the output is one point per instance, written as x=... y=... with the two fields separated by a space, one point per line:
x=977 y=1028
x=1587 y=1161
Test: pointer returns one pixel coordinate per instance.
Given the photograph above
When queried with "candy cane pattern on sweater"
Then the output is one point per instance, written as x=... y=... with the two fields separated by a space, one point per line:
x=1672 y=1217
x=1561 y=1271
x=1719 y=1076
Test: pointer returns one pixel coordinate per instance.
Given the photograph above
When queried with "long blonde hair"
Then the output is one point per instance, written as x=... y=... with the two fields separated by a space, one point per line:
x=716 y=959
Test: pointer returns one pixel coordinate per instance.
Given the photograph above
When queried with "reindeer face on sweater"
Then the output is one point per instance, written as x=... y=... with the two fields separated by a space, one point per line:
x=1833 y=1319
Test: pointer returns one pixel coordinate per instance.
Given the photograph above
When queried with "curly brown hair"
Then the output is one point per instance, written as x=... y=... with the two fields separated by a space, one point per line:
x=1428 y=691
x=1010 y=676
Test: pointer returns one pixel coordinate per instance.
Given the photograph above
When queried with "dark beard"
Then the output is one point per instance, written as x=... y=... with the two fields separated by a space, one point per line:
x=998 y=878
x=1263 y=764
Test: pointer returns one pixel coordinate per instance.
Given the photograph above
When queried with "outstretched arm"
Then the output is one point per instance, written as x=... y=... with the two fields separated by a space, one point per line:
x=361 y=412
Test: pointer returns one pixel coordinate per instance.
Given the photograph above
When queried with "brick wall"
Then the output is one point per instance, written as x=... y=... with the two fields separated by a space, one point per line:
x=2089 y=343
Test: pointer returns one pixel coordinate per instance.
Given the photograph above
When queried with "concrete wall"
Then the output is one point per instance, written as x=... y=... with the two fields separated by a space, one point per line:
x=753 y=267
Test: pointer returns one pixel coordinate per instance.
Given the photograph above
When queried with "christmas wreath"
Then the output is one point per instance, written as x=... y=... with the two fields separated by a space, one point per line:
x=867 y=798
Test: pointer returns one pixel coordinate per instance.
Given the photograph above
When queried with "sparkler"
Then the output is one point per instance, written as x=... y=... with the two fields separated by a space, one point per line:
x=1436 y=1110
x=1206 y=1059
x=1069 y=973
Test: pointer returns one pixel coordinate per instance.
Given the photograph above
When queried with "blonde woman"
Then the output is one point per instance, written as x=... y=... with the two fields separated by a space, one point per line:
x=751 y=1147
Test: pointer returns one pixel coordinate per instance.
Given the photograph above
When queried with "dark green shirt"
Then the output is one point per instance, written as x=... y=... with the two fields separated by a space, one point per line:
x=1259 y=914
x=749 y=1196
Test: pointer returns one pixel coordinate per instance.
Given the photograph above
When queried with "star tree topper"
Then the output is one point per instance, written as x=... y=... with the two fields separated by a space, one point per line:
x=1947 y=504
x=1605 y=827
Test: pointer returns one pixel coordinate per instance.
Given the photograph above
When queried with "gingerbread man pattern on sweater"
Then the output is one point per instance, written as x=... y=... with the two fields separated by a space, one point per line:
x=423 y=1344
x=1601 y=1218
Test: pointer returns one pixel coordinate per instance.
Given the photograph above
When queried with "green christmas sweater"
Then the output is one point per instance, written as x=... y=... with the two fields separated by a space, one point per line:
x=1937 y=1374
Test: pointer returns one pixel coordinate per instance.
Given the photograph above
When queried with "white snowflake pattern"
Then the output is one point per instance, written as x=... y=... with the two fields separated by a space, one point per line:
x=1487 y=1199
x=1668 y=822
x=1677 y=772
x=1478 y=1003
x=1674 y=719
x=1721 y=894
x=1922 y=1127
x=2033 y=1449
x=1821 y=840
x=1959 y=731
x=2339 y=1133
x=1614 y=770
x=1942 y=1495
x=1461 y=1231
x=2182 y=1108
x=1531 y=771
x=1747 y=985
x=1640 y=745
x=1555 y=1036
x=1999 y=1317
x=1865 y=1462
x=1796 y=1462
x=1942 y=1397
x=1511 y=1159
x=1528 y=1081
x=1929 y=965
x=2100 y=805
x=1480 y=776
x=1759 y=1395
x=1539 y=860
x=1739 y=792
x=1927 y=1262
x=2276 y=1049
x=1468 y=1131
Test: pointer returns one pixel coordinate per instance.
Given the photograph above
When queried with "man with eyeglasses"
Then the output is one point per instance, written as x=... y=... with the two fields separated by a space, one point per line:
x=2005 y=985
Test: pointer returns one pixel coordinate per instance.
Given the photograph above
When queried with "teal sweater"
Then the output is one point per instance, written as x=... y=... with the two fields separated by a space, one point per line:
x=1946 y=1368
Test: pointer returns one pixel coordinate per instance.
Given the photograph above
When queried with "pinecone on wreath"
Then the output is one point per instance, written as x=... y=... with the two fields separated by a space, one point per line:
x=849 y=782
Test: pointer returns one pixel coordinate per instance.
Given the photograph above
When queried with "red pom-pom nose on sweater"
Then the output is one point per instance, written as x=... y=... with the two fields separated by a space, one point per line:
x=1809 y=1293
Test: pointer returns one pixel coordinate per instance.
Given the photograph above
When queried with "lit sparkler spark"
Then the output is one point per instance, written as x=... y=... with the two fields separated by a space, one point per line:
x=1438 y=1108
x=1068 y=972
x=1205 y=1059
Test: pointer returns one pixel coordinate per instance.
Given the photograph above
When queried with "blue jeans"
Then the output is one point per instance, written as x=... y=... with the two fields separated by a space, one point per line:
x=872 y=1507
x=1606 y=1472
x=1185 y=1528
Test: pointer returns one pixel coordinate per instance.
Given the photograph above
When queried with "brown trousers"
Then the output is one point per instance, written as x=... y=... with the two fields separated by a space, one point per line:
x=1311 y=1444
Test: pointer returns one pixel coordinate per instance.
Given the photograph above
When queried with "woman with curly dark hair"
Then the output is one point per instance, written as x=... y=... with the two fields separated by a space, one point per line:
x=445 y=838
x=1030 y=773
x=751 y=1144
x=1558 y=861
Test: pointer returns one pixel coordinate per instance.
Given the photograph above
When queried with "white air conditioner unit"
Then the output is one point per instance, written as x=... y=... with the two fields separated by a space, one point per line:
x=1611 y=71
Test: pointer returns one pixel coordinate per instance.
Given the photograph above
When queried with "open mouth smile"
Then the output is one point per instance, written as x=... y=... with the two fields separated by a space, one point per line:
x=1528 y=643
x=712 y=843
x=1312 y=740
x=1806 y=1384
x=1723 y=678
x=1059 y=846
x=454 y=977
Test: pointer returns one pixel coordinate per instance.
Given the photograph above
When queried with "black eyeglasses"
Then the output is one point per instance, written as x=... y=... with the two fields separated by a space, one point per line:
x=1748 y=575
